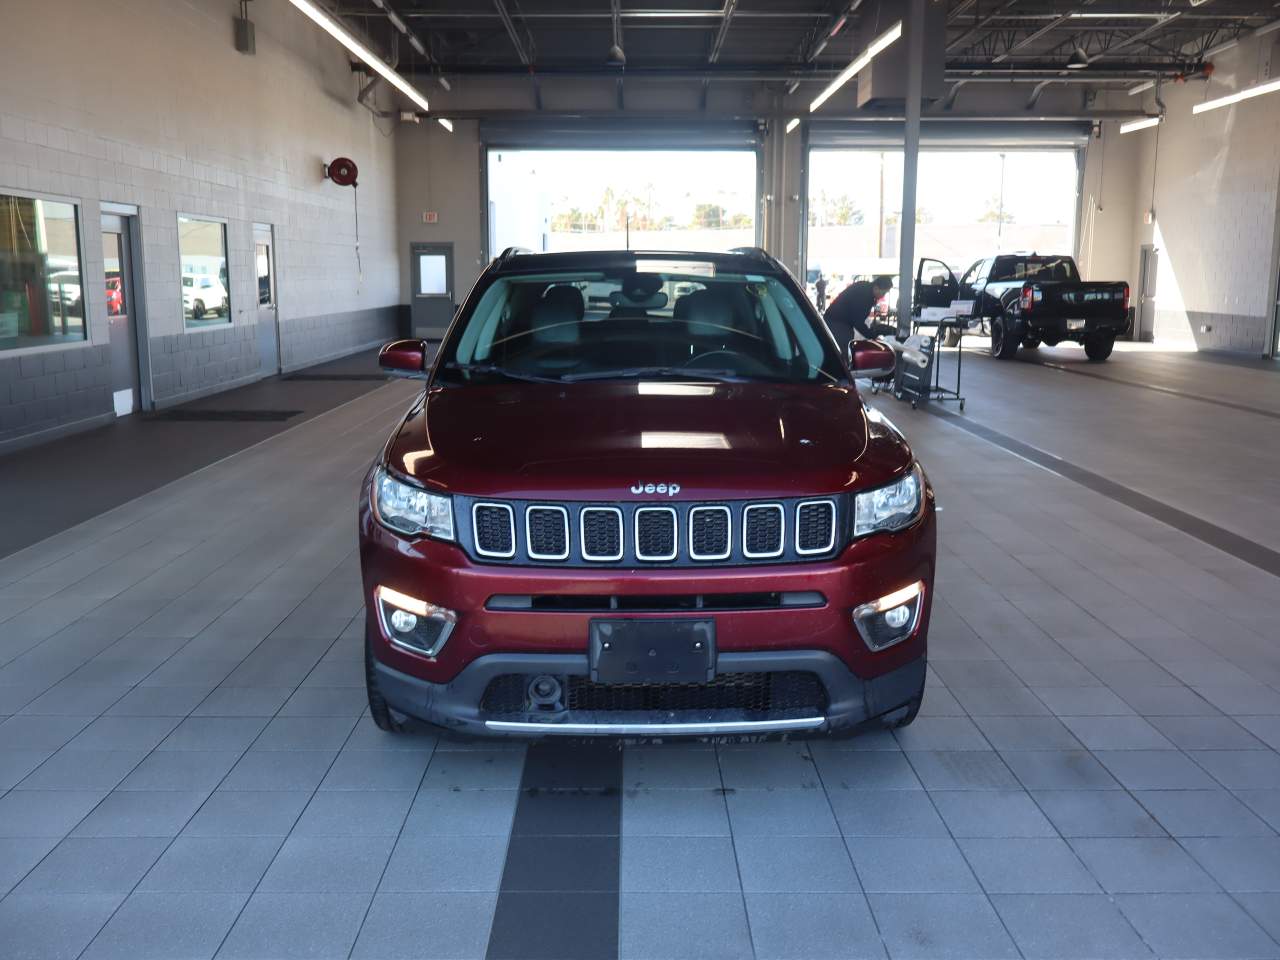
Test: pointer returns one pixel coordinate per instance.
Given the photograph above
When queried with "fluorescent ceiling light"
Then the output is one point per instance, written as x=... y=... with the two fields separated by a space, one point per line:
x=1255 y=91
x=396 y=21
x=1104 y=15
x=792 y=124
x=446 y=123
x=417 y=44
x=852 y=70
x=1141 y=88
x=1133 y=125
x=339 y=33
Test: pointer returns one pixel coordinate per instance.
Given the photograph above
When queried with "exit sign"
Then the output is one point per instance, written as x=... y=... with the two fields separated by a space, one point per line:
x=430 y=216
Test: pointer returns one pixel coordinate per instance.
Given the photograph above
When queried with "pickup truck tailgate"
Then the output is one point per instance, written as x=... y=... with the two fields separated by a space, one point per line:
x=1087 y=300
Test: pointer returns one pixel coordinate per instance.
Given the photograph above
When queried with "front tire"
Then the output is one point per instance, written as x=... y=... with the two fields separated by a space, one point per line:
x=951 y=338
x=197 y=310
x=383 y=718
x=1098 y=347
x=1004 y=345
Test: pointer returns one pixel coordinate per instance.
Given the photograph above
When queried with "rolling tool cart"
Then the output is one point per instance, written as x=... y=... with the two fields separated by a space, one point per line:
x=917 y=382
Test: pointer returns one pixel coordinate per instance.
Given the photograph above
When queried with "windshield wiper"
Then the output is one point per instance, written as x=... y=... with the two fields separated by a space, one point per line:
x=500 y=371
x=629 y=373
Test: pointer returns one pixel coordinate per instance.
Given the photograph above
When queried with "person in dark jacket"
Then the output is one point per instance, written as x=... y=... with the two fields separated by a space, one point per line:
x=820 y=288
x=849 y=311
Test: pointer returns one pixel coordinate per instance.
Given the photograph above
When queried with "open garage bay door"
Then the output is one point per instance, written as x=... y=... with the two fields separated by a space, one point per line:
x=581 y=184
x=983 y=188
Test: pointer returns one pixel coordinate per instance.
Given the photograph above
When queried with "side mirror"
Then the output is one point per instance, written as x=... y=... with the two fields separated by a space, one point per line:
x=404 y=358
x=871 y=358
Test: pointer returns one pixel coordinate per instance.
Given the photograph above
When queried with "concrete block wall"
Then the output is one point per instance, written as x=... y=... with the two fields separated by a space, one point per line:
x=1212 y=183
x=222 y=135
x=40 y=392
x=309 y=340
x=199 y=362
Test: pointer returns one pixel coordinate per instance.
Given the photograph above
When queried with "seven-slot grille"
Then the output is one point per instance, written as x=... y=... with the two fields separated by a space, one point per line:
x=547 y=532
x=495 y=533
x=650 y=533
x=601 y=533
x=815 y=526
x=710 y=533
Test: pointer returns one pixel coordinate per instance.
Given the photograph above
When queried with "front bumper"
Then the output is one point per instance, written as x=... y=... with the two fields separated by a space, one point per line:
x=490 y=640
x=1055 y=328
x=457 y=704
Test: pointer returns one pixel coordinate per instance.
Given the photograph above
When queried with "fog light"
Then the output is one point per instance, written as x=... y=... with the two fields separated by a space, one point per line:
x=892 y=618
x=402 y=621
x=897 y=617
x=413 y=624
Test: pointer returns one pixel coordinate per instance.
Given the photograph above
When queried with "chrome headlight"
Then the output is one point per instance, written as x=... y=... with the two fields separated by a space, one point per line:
x=892 y=507
x=411 y=510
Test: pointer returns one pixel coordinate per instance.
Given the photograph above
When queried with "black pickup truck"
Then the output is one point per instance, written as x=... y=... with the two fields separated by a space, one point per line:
x=1028 y=299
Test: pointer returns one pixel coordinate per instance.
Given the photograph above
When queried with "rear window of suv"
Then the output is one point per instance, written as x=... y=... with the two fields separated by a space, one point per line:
x=672 y=319
x=1033 y=268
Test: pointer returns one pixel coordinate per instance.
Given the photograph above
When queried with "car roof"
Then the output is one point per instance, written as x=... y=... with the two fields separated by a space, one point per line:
x=739 y=260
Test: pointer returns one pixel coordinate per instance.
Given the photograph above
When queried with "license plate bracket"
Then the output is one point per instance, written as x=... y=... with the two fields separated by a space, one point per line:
x=625 y=650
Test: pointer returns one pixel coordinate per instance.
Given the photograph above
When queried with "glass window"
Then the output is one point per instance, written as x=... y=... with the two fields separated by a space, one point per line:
x=630 y=325
x=113 y=266
x=40 y=282
x=202 y=248
x=1034 y=268
x=431 y=275
x=262 y=258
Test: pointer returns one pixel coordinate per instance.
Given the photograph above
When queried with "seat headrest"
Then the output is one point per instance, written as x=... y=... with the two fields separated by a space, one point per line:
x=708 y=312
x=553 y=321
x=567 y=297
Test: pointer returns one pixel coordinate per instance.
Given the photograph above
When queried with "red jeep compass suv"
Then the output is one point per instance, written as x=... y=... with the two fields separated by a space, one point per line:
x=640 y=495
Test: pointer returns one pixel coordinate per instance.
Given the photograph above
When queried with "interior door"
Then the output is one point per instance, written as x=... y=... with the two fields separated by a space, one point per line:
x=1144 y=327
x=432 y=303
x=935 y=285
x=264 y=257
x=117 y=262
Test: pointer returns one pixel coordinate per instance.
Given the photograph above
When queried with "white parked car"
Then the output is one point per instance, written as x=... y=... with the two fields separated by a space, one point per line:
x=201 y=295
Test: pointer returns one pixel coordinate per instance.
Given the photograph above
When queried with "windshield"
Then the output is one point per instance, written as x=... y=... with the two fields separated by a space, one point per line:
x=1033 y=268
x=682 y=320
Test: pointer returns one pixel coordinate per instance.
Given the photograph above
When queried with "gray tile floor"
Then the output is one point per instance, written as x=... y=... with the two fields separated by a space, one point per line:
x=186 y=771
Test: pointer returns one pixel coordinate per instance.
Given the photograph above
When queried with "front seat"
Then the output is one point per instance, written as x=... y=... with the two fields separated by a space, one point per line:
x=555 y=327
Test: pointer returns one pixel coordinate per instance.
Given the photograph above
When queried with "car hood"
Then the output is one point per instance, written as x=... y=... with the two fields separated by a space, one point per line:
x=598 y=440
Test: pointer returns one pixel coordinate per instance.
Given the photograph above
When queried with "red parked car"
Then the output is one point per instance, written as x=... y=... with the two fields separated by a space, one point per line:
x=640 y=495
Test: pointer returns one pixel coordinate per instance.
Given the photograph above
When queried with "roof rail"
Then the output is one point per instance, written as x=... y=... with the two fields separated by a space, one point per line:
x=758 y=252
x=510 y=252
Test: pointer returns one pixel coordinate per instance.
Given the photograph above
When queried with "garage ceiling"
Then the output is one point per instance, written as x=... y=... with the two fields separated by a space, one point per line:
x=785 y=41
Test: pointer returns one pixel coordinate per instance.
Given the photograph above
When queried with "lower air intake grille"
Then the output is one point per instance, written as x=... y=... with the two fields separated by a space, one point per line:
x=815 y=526
x=751 y=692
x=495 y=529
